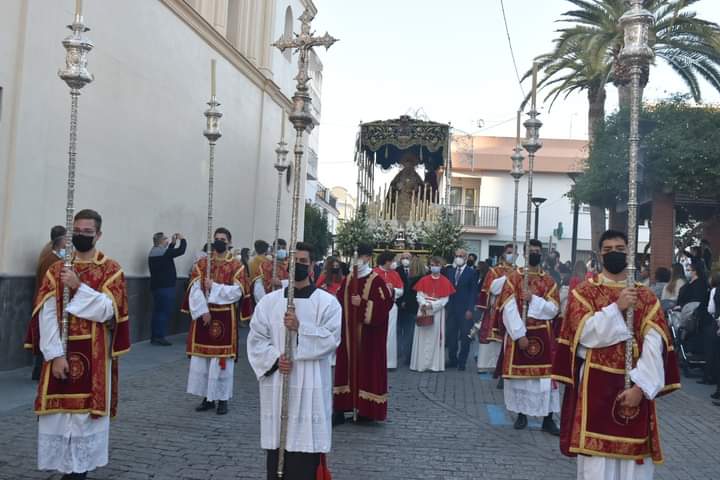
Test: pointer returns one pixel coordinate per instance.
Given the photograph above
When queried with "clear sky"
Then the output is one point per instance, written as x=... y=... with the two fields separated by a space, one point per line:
x=451 y=59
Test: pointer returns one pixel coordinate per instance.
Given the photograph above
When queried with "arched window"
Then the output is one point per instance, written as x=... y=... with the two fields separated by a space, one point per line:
x=288 y=31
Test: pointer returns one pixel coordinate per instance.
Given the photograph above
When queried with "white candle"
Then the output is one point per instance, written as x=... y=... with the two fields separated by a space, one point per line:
x=212 y=77
x=78 y=8
x=534 y=84
x=282 y=130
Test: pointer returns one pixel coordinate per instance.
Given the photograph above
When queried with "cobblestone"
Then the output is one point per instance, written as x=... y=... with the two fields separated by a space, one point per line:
x=439 y=427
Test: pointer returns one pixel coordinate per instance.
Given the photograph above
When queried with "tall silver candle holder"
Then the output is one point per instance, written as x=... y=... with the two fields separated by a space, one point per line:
x=302 y=121
x=636 y=54
x=212 y=133
x=76 y=75
x=516 y=172
x=531 y=144
x=281 y=166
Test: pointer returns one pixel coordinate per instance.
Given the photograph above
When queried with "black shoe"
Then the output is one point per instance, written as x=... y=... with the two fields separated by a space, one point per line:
x=461 y=368
x=451 y=364
x=205 y=406
x=74 y=476
x=361 y=419
x=162 y=341
x=520 y=422
x=222 y=407
x=501 y=384
x=549 y=426
x=716 y=395
x=338 y=418
x=716 y=402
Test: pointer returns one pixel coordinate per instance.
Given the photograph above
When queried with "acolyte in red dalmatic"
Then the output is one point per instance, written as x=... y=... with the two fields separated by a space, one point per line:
x=93 y=347
x=493 y=329
x=361 y=365
x=593 y=423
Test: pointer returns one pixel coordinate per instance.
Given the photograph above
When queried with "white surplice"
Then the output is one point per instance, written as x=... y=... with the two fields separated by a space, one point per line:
x=605 y=328
x=73 y=442
x=392 y=331
x=205 y=377
x=535 y=397
x=488 y=353
x=428 y=348
x=310 y=396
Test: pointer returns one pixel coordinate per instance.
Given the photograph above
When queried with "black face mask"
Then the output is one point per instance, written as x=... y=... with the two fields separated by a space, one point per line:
x=83 y=243
x=335 y=271
x=301 y=271
x=219 y=246
x=534 y=259
x=615 y=262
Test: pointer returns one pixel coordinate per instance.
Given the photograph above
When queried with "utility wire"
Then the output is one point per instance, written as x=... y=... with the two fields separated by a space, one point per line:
x=512 y=52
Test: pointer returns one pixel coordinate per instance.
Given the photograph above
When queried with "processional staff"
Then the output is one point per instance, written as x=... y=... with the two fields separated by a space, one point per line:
x=76 y=75
x=302 y=121
x=636 y=53
x=517 y=173
x=212 y=133
x=532 y=144
x=281 y=166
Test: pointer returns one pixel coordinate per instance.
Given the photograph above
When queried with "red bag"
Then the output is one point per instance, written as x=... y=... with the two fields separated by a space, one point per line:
x=424 y=321
x=323 y=472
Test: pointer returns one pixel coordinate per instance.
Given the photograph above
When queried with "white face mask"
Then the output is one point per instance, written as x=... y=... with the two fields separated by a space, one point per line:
x=405 y=262
x=435 y=269
x=282 y=254
x=459 y=261
x=360 y=263
x=393 y=266
x=509 y=257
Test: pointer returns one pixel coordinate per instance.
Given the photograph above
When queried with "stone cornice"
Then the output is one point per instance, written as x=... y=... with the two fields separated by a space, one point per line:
x=219 y=43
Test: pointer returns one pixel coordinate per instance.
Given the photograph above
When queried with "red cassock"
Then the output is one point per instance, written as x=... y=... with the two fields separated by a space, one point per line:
x=592 y=421
x=389 y=277
x=90 y=352
x=536 y=360
x=332 y=288
x=361 y=365
x=219 y=338
x=492 y=328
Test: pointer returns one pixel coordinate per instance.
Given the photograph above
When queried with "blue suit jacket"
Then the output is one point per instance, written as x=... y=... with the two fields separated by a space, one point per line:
x=466 y=290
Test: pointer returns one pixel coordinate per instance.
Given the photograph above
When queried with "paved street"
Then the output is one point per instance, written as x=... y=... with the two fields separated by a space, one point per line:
x=441 y=426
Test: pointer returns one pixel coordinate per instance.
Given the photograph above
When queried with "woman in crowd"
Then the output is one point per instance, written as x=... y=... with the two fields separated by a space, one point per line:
x=662 y=278
x=677 y=281
x=330 y=279
x=433 y=291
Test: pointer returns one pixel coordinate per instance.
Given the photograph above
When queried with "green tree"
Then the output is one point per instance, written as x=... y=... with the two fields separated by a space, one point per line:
x=316 y=230
x=586 y=56
x=444 y=236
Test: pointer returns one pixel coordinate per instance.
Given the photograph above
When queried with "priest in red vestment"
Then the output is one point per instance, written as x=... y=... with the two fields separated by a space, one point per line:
x=360 y=384
x=385 y=269
x=613 y=431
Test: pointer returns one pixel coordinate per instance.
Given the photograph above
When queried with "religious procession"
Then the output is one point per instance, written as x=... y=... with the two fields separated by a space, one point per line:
x=418 y=319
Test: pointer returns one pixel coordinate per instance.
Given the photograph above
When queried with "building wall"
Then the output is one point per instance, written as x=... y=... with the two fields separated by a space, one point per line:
x=142 y=158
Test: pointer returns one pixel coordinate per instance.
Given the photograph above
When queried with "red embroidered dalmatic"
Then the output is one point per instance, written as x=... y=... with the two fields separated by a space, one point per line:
x=592 y=423
x=219 y=338
x=331 y=288
x=266 y=273
x=536 y=360
x=361 y=365
x=93 y=347
x=492 y=328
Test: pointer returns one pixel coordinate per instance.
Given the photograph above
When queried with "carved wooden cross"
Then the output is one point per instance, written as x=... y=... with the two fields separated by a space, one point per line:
x=303 y=43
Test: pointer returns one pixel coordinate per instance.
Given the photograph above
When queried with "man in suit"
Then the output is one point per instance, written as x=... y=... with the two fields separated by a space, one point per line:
x=460 y=309
x=407 y=309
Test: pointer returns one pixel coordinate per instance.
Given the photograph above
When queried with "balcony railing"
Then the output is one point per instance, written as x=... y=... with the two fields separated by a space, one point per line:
x=482 y=217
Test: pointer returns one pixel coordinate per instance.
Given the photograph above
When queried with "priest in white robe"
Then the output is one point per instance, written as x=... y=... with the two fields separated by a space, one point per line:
x=316 y=323
x=433 y=292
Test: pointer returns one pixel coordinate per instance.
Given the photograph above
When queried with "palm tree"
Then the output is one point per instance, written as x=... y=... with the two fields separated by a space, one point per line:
x=587 y=56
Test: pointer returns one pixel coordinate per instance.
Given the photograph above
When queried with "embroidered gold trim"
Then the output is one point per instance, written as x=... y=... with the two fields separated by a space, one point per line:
x=372 y=397
x=341 y=389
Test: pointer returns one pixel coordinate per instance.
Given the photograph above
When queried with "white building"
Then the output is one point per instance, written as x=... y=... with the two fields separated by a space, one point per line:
x=142 y=158
x=327 y=202
x=482 y=195
x=346 y=203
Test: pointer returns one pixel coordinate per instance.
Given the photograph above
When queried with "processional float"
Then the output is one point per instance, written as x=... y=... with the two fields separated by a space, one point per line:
x=302 y=120
x=75 y=74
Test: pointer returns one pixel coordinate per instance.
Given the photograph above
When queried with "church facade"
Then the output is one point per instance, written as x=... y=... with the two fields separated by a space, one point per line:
x=142 y=158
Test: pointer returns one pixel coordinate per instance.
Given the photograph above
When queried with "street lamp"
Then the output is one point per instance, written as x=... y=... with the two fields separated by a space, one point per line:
x=537 y=201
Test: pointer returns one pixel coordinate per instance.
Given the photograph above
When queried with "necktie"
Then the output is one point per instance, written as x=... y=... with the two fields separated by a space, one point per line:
x=457 y=275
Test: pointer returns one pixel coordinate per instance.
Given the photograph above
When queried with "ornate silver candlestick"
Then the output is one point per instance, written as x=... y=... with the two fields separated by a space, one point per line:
x=636 y=53
x=532 y=144
x=281 y=166
x=302 y=120
x=76 y=75
x=517 y=172
x=212 y=133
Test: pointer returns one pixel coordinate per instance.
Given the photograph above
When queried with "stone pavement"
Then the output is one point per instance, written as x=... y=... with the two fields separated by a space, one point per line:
x=447 y=425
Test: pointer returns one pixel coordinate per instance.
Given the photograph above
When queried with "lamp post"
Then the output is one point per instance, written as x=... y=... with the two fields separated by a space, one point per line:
x=576 y=214
x=636 y=54
x=537 y=201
